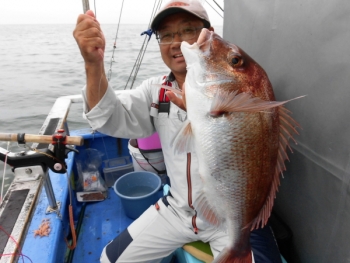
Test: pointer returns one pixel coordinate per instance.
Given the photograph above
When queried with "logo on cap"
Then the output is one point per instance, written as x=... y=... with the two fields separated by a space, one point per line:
x=177 y=4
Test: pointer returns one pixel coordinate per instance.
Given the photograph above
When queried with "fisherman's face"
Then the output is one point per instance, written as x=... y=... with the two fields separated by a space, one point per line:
x=171 y=53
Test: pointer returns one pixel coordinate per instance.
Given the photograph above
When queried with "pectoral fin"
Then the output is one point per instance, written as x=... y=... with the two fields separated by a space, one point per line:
x=184 y=140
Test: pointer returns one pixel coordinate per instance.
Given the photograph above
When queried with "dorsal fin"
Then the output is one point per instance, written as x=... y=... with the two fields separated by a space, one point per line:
x=231 y=101
x=287 y=127
x=226 y=102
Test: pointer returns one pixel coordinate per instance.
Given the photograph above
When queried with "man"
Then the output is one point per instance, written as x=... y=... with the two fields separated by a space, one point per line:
x=172 y=222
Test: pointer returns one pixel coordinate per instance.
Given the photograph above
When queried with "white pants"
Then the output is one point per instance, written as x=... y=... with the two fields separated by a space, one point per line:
x=156 y=234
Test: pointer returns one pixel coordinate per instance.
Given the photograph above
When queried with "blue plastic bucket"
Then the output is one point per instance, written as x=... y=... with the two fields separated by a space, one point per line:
x=137 y=191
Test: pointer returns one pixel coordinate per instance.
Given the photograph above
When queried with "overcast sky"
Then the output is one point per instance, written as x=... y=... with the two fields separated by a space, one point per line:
x=67 y=11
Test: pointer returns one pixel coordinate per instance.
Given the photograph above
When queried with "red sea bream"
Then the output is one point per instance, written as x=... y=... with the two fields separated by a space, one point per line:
x=240 y=134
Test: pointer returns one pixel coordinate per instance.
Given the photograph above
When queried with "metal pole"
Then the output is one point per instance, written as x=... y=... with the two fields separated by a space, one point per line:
x=48 y=189
x=86 y=5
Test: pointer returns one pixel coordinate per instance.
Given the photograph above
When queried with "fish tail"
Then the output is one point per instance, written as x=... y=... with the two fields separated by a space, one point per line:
x=229 y=255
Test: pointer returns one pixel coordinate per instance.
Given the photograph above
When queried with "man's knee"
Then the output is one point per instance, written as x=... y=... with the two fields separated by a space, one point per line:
x=116 y=247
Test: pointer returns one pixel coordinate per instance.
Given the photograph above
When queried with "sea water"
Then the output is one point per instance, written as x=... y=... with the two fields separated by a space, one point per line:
x=39 y=63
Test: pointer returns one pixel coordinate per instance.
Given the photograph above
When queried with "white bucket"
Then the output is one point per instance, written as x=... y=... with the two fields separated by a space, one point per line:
x=155 y=159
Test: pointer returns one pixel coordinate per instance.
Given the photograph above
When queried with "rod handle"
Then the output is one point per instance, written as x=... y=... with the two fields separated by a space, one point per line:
x=13 y=137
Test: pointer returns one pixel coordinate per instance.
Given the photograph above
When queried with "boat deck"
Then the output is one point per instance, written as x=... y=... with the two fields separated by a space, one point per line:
x=96 y=230
x=100 y=221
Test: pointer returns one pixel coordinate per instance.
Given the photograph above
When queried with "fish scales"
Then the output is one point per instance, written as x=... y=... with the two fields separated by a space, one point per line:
x=240 y=147
x=234 y=127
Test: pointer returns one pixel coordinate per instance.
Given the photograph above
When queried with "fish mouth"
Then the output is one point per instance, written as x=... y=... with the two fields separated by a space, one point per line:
x=202 y=44
x=195 y=53
x=204 y=39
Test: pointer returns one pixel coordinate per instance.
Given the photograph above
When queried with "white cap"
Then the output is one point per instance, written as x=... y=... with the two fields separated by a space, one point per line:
x=193 y=7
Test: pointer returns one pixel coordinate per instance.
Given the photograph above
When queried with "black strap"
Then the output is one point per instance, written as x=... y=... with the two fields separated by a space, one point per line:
x=20 y=138
x=164 y=101
x=158 y=171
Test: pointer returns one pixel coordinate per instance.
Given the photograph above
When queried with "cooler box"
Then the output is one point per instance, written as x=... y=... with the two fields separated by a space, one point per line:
x=115 y=168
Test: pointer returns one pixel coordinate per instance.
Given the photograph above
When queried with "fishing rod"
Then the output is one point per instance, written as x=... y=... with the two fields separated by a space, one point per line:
x=22 y=138
x=86 y=5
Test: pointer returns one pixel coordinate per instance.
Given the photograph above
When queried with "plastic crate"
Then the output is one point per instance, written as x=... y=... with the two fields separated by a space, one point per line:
x=115 y=168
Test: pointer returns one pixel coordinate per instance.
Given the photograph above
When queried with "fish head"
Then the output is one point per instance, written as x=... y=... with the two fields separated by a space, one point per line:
x=214 y=63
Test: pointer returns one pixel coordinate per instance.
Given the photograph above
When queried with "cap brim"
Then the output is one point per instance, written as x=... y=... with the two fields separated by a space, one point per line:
x=173 y=10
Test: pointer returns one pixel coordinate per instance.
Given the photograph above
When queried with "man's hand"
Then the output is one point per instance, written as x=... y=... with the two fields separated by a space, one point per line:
x=91 y=42
x=180 y=102
x=90 y=38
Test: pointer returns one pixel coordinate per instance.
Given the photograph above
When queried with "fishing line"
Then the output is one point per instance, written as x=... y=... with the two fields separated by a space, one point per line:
x=109 y=75
x=104 y=145
x=142 y=51
x=137 y=64
x=17 y=245
x=214 y=8
x=99 y=84
x=4 y=174
x=218 y=5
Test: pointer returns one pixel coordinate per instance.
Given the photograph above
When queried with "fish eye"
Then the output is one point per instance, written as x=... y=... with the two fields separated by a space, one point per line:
x=236 y=61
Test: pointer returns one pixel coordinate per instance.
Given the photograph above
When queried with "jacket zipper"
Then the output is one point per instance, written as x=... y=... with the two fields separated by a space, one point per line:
x=189 y=184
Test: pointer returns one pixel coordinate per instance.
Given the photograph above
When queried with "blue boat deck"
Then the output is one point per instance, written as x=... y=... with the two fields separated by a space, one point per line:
x=102 y=222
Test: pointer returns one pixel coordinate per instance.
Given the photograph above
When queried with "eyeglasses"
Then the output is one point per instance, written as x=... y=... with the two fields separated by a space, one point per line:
x=185 y=33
